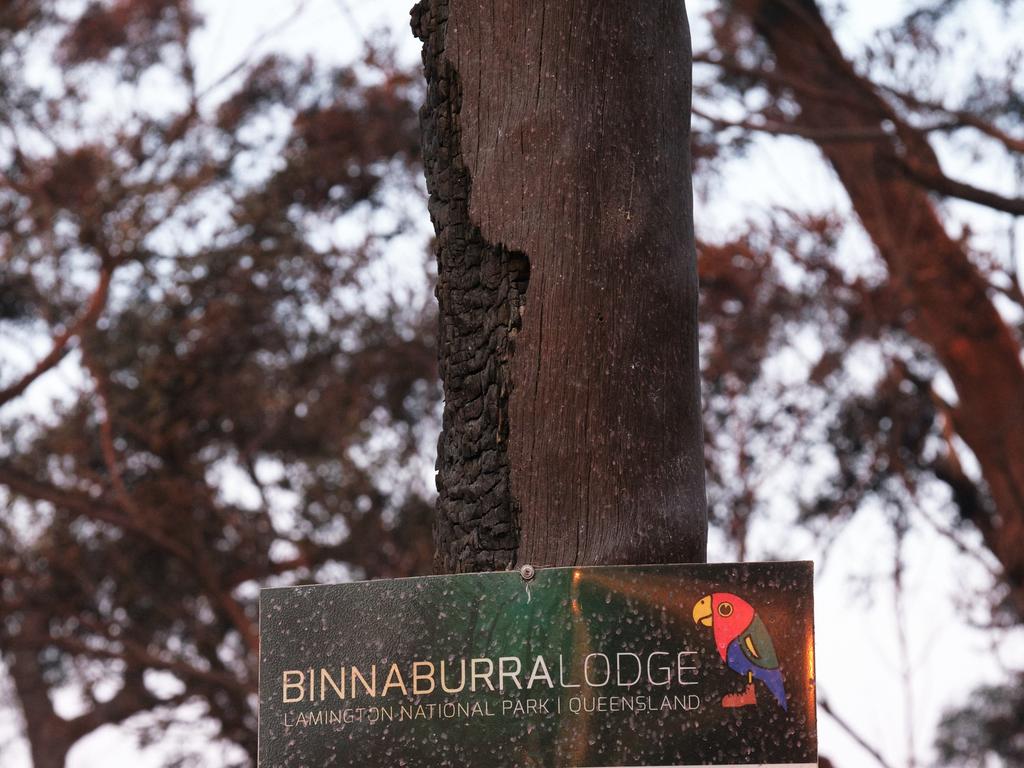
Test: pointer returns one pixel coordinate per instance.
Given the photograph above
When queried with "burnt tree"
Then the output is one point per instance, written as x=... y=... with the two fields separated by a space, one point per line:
x=556 y=145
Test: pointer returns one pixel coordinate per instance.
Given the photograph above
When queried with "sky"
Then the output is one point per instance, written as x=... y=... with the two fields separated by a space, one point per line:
x=861 y=663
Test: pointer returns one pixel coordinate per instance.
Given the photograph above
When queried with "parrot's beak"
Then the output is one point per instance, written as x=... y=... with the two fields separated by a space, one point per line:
x=702 y=612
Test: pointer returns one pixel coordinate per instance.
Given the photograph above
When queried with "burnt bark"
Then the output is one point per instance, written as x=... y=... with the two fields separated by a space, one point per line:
x=556 y=145
x=945 y=298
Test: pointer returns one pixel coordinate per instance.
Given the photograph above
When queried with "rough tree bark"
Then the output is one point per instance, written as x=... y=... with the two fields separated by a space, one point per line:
x=556 y=142
x=946 y=299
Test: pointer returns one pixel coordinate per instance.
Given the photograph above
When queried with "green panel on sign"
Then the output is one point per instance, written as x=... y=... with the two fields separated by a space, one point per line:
x=674 y=665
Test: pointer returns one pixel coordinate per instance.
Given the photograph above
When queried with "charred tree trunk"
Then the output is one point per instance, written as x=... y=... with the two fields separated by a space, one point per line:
x=946 y=299
x=556 y=142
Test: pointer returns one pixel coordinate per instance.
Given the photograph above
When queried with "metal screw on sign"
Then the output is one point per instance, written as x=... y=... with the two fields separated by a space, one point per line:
x=527 y=572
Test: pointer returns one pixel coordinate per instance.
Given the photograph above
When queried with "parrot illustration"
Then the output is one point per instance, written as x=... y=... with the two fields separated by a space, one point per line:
x=744 y=645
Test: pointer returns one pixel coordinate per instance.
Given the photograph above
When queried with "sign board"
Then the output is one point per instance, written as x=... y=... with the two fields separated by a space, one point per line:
x=674 y=665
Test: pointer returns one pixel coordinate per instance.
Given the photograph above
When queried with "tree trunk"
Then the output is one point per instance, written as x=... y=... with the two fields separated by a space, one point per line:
x=46 y=732
x=556 y=142
x=945 y=297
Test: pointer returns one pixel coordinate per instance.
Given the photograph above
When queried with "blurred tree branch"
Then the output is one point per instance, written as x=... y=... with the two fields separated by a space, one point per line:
x=59 y=345
x=223 y=334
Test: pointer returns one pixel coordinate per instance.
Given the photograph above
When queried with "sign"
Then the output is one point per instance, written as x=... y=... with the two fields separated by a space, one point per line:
x=668 y=665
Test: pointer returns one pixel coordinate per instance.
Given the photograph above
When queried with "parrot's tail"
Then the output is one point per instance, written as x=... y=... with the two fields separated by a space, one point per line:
x=772 y=678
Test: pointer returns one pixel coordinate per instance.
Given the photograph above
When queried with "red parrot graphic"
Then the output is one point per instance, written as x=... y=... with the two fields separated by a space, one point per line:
x=744 y=645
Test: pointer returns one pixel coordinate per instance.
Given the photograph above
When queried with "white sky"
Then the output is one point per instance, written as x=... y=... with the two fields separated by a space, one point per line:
x=859 y=664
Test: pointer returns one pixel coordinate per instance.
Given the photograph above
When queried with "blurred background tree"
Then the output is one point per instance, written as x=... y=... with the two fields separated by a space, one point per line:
x=211 y=264
x=217 y=360
x=902 y=332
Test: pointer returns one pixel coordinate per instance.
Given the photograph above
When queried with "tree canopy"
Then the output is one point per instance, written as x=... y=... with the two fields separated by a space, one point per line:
x=219 y=349
x=249 y=391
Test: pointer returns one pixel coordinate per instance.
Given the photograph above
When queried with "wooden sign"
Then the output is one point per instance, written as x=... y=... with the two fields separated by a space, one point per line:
x=675 y=665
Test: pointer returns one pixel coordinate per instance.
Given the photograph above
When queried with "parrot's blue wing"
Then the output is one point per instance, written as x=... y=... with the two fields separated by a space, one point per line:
x=738 y=661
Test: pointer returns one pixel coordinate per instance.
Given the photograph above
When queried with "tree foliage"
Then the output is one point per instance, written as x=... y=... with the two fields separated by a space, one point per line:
x=879 y=336
x=924 y=300
x=213 y=380
x=987 y=729
x=247 y=389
